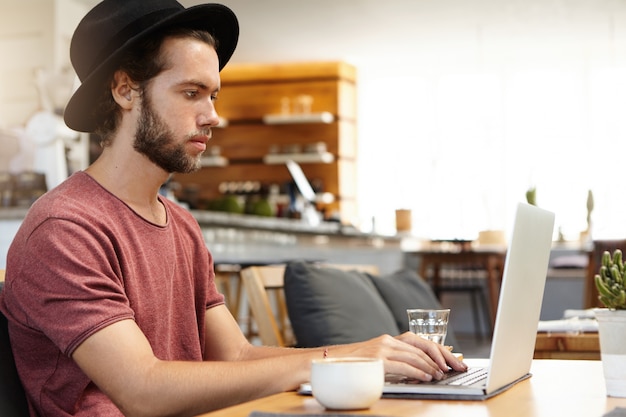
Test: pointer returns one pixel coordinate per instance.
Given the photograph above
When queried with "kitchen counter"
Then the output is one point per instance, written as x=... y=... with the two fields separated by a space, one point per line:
x=245 y=239
x=13 y=213
x=241 y=221
x=237 y=238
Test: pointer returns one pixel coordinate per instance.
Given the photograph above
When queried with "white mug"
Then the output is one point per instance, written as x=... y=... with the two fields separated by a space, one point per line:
x=347 y=383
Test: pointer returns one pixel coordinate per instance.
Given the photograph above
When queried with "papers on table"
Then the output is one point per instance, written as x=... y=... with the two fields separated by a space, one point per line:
x=574 y=321
x=581 y=314
x=568 y=325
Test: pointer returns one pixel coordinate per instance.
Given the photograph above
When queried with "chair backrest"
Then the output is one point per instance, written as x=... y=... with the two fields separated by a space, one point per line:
x=264 y=286
x=264 y=291
x=12 y=398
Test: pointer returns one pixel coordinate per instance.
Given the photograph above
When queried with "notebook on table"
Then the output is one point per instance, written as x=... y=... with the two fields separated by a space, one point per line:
x=515 y=330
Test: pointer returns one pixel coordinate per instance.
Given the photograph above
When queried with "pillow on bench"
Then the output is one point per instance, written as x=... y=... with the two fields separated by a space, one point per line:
x=328 y=306
x=406 y=289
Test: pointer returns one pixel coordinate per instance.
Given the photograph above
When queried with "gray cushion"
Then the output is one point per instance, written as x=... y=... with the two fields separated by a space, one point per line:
x=329 y=306
x=406 y=289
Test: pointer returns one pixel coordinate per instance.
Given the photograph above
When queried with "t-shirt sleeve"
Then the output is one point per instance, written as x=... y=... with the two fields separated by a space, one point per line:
x=214 y=297
x=68 y=284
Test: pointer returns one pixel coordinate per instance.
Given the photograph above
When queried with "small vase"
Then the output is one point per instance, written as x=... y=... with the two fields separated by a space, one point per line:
x=612 y=332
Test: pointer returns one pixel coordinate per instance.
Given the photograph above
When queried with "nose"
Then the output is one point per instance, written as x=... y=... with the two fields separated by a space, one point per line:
x=208 y=117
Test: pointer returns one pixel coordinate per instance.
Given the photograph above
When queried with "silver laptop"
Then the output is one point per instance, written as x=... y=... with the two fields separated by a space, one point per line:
x=515 y=331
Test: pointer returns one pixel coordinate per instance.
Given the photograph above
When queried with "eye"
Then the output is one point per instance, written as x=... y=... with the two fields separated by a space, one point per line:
x=191 y=93
x=213 y=97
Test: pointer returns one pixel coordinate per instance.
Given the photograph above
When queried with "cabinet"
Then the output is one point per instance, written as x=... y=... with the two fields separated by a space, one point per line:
x=257 y=131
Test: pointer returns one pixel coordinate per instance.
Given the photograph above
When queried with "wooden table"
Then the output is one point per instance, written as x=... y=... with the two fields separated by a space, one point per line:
x=567 y=346
x=557 y=388
x=492 y=261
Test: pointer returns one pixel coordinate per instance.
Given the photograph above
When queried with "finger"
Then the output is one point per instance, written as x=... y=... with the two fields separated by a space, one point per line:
x=416 y=362
x=399 y=357
x=449 y=359
x=441 y=355
x=454 y=361
x=413 y=366
x=404 y=355
x=404 y=369
x=444 y=358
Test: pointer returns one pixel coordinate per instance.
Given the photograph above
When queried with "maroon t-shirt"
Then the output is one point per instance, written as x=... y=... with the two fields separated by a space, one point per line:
x=83 y=260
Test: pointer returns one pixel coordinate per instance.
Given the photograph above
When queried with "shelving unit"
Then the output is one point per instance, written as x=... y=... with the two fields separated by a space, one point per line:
x=301 y=158
x=214 y=161
x=287 y=119
x=320 y=198
x=252 y=100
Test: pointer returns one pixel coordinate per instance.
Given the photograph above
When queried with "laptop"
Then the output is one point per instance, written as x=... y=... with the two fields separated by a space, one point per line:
x=517 y=318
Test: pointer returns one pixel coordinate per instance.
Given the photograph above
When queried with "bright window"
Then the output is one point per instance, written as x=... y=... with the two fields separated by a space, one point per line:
x=461 y=149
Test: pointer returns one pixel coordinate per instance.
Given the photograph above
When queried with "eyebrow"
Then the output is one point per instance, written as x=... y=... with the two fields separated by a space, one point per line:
x=198 y=84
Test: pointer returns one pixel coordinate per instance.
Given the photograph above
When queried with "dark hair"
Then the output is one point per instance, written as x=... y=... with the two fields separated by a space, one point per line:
x=142 y=62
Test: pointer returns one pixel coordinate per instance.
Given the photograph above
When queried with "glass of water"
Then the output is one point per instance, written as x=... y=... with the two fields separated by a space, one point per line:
x=430 y=324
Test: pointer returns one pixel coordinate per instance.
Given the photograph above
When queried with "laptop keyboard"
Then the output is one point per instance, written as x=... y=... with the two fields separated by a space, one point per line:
x=469 y=377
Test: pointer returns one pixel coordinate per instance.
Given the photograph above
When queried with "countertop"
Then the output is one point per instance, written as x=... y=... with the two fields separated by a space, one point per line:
x=13 y=213
x=242 y=221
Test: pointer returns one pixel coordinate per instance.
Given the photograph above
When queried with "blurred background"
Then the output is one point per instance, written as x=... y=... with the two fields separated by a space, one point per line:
x=463 y=105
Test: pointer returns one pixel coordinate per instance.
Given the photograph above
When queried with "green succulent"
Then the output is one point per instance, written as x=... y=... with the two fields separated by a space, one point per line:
x=531 y=196
x=590 y=205
x=610 y=281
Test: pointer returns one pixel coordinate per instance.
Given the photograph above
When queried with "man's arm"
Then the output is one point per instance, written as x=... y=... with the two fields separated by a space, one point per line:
x=406 y=354
x=224 y=340
x=120 y=361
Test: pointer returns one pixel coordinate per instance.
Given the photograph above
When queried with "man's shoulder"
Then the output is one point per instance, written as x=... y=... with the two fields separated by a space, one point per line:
x=78 y=197
x=76 y=192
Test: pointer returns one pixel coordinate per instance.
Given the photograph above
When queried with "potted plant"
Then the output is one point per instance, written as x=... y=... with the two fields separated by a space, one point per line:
x=611 y=284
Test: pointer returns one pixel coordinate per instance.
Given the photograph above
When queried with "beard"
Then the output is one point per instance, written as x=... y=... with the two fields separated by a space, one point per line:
x=155 y=139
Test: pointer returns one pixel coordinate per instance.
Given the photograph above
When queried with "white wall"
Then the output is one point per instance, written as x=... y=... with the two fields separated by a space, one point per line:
x=26 y=43
x=34 y=34
x=34 y=46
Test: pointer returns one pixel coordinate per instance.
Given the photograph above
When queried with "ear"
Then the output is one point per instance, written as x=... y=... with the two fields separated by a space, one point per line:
x=123 y=90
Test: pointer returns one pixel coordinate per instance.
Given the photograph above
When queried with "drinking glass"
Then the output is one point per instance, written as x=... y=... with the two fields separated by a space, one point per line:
x=430 y=324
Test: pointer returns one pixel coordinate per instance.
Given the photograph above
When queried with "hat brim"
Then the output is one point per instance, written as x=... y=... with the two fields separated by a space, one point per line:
x=219 y=20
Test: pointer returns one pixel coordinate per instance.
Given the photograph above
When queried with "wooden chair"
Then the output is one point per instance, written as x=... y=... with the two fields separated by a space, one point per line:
x=595 y=260
x=225 y=274
x=264 y=286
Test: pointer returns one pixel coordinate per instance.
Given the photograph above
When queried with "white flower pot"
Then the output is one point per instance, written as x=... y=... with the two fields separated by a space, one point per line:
x=612 y=332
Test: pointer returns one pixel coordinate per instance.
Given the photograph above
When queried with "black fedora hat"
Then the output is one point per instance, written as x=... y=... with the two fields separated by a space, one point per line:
x=107 y=31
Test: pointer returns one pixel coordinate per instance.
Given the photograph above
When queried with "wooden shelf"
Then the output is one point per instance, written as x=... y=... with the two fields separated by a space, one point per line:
x=303 y=158
x=251 y=105
x=321 y=198
x=287 y=119
x=213 y=161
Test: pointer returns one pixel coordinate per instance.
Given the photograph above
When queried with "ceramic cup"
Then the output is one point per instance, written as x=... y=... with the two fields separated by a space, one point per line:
x=347 y=383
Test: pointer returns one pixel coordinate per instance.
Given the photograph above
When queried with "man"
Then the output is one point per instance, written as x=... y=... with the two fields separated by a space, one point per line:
x=110 y=290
